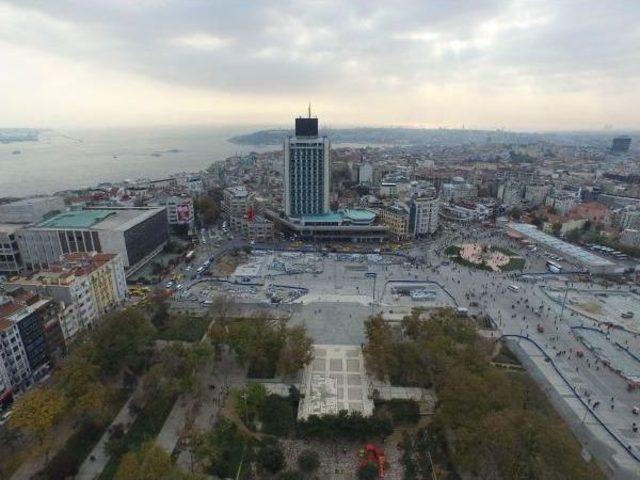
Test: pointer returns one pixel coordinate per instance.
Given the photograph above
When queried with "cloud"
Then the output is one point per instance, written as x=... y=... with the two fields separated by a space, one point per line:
x=401 y=57
x=199 y=41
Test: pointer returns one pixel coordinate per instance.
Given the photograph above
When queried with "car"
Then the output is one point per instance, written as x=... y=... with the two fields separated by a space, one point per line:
x=5 y=417
x=179 y=286
x=635 y=410
x=170 y=284
x=200 y=270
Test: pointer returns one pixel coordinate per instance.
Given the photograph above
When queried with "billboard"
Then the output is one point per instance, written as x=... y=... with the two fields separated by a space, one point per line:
x=183 y=213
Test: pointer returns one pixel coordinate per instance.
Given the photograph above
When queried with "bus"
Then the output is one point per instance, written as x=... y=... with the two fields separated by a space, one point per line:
x=554 y=267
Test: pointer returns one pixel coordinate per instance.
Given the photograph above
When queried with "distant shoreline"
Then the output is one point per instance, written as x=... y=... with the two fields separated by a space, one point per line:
x=423 y=136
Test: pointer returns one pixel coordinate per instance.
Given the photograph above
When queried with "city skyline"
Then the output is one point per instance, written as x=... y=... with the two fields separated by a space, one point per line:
x=491 y=64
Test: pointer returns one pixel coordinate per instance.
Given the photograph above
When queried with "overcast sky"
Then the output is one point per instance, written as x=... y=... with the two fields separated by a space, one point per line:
x=539 y=64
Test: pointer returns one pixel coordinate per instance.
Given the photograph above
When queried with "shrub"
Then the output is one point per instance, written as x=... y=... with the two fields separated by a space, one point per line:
x=308 y=461
x=278 y=416
x=368 y=471
x=271 y=457
x=351 y=426
x=403 y=411
x=291 y=475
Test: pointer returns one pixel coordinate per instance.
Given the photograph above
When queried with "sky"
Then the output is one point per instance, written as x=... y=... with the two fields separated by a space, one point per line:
x=513 y=64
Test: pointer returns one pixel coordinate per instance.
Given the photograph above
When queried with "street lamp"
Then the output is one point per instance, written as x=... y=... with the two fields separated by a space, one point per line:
x=373 y=275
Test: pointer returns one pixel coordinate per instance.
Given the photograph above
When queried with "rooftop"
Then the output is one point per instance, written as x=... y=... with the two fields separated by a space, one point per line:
x=579 y=254
x=73 y=265
x=76 y=219
x=326 y=217
x=238 y=191
x=359 y=215
x=100 y=218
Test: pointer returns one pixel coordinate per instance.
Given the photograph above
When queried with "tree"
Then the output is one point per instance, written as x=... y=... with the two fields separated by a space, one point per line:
x=79 y=379
x=151 y=462
x=207 y=210
x=121 y=341
x=37 y=412
x=296 y=352
x=378 y=351
x=308 y=461
x=250 y=401
x=174 y=370
x=271 y=458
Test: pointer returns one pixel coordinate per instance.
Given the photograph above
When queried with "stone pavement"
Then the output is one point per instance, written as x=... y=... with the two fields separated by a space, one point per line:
x=339 y=460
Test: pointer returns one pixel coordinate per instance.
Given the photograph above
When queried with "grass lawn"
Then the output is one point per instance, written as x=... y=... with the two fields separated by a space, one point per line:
x=186 y=328
x=516 y=263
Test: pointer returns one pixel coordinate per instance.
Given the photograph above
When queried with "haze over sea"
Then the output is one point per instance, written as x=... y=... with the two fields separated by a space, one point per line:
x=69 y=159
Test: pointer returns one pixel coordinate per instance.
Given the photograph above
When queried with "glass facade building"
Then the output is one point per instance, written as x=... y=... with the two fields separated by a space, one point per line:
x=307 y=171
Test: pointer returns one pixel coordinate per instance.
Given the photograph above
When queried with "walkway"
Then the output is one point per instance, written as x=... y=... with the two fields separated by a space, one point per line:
x=91 y=469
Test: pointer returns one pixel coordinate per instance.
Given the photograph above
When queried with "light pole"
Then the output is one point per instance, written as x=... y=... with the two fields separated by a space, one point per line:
x=373 y=275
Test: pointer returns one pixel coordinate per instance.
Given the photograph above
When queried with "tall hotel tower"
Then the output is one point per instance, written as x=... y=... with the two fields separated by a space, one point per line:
x=307 y=170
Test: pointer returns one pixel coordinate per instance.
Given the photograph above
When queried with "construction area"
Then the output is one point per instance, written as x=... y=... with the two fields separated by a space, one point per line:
x=612 y=307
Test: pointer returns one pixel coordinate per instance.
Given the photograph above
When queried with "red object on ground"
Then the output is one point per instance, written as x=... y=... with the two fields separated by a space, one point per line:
x=374 y=454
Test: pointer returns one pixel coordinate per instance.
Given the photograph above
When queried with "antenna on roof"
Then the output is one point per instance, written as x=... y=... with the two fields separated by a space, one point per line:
x=309 y=109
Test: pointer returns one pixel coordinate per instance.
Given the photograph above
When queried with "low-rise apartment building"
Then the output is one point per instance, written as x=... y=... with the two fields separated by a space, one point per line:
x=88 y=285
x=396 y=218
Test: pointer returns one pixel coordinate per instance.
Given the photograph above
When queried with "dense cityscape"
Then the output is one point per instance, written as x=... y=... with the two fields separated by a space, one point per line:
x=151 y=323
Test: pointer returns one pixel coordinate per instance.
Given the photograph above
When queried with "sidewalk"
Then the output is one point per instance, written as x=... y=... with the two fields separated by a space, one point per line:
x=89 y=469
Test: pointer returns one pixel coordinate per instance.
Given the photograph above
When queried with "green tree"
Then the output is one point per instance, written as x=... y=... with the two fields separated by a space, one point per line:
x=296 y=352
x=264 y=344
x=250 y=401
x=122 y=341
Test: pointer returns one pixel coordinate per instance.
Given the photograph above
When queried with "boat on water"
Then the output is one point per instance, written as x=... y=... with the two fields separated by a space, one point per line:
x=16 y=152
